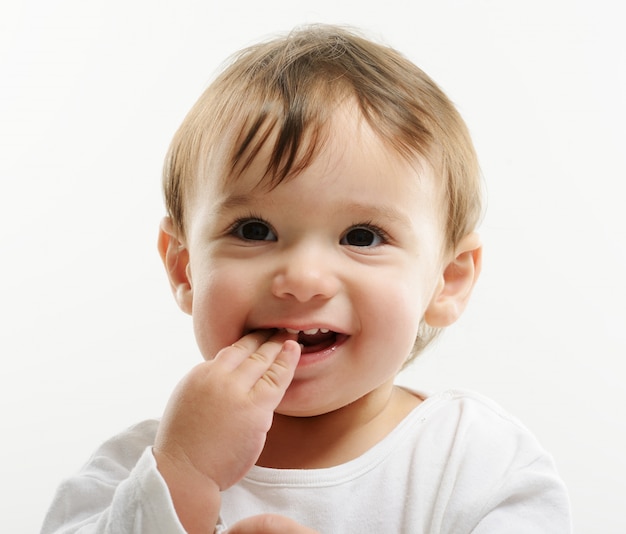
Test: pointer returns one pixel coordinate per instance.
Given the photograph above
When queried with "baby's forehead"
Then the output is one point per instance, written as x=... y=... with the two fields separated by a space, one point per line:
x=255 y=160
x=359 y=172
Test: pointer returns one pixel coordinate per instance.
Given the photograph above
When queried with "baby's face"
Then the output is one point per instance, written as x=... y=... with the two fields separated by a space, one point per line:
x=348 y=254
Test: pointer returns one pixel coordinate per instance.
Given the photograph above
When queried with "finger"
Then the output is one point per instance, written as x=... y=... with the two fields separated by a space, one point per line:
x=269 y=359
x=268 y=524
x=272 y=384
x=232 y=356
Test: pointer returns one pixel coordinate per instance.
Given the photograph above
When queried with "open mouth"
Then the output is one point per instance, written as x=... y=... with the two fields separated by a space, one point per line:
x=315 y=339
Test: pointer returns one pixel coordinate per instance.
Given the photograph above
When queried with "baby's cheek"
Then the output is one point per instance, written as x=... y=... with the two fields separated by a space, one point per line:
x=223 y=302
x=402 y=314
x=216 y=324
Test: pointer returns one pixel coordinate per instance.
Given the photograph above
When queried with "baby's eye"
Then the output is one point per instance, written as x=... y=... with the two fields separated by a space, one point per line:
x=253 y=230
x=363 y=236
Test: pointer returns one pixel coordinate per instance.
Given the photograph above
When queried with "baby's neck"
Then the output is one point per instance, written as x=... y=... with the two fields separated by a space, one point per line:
x=336 y=437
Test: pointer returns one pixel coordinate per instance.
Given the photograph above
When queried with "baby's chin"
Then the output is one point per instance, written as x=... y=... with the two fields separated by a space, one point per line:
x=292 y=407
x=294 y=413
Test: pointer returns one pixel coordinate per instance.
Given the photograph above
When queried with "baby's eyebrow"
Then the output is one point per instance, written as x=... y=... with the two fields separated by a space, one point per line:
x=235 y=201
x=376 y=211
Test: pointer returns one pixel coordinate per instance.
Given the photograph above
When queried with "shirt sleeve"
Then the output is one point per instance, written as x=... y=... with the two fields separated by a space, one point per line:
x=501 y=479
x=529 y=498
x=119 y=491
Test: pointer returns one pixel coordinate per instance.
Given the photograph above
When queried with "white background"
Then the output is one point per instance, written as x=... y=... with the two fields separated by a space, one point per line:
x=90 y=339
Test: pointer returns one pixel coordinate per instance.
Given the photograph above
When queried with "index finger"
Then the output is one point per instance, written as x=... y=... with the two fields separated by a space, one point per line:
x=231 y=357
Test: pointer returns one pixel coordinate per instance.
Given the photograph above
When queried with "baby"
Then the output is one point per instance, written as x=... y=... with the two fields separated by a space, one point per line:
x=322 y=198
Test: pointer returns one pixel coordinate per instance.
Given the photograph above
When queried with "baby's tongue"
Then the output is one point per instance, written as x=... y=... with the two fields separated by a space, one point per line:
x=315 y=342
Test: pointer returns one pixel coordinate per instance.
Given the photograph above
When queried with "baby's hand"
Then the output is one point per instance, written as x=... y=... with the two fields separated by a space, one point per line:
x=269 y=524
x=217 y=418
x=215 y=424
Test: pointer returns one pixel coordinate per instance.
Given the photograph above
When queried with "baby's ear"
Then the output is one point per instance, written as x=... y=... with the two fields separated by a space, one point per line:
x=175 y=258
x=457 y=281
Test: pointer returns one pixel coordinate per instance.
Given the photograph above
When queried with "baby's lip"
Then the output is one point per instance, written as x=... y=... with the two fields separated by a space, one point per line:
x=306 y=335
x=295 y=329
x=270 y=333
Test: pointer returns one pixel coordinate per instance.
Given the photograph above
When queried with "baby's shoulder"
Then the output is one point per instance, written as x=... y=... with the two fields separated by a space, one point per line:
x=124 y=449
x=464 y=404
x=466 y=425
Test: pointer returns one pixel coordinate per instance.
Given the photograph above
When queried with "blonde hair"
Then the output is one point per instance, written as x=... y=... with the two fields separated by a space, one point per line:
x=284 y=91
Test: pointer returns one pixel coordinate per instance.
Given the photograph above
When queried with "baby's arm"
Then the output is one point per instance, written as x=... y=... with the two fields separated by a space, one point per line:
x=215 y=424
x=229 y=403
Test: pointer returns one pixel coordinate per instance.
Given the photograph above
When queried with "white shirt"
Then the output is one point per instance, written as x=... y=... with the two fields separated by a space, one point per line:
x=456 y=464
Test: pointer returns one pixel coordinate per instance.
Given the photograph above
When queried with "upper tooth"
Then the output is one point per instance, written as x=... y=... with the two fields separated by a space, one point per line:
x=309 y=332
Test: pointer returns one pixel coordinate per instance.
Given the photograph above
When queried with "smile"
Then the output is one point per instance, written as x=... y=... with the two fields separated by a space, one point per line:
x=317 y=339
x=309 y=332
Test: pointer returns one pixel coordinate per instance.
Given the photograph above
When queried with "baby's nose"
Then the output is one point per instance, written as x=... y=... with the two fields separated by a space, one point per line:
x=305 y=275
